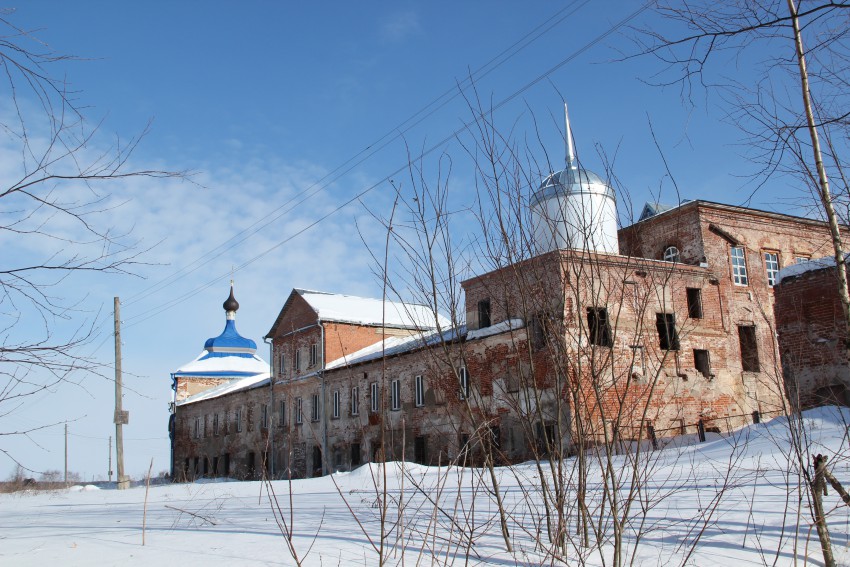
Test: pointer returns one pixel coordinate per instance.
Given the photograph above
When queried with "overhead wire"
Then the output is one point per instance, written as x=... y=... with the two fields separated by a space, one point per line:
x=167 y=305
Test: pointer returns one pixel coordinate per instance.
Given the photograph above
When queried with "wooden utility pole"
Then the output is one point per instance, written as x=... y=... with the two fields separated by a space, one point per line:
x=121 y=417
x=110 y=458
x=66 y=454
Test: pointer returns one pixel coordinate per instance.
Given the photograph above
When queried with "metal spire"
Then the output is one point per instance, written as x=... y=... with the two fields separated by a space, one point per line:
x=571 y=156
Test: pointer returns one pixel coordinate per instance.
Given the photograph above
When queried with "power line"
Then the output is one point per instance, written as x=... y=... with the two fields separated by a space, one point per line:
x=390 y=136
x=157 y=310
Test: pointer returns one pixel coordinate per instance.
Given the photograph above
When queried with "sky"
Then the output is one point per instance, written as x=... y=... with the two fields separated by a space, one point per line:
x=280 y=114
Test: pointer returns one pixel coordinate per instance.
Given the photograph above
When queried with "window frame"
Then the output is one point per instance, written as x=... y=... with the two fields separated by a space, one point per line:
x=667 y=340
x=264 y=416
x=315 y=409
x=374 y=395
x=671 y=253
x=281 y=408
x=464 y=383
x=354 y=406
x=749 y=358
x=299 y=410
x=693 y=296
x=395 y=395
x=771 y=273
x=282 y=368
x=314 y=354
x=707 y=371
x=296 y=360
x=419 y=391
x=484 y=314
x=335 y=406
x=237 y=418
x=215 y=425
x=739 y=266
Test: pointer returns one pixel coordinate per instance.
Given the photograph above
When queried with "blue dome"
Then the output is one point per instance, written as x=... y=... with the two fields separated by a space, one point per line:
x=230 y=342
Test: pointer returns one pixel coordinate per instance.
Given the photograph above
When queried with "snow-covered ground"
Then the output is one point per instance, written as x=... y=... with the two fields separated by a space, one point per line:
x=730 y=501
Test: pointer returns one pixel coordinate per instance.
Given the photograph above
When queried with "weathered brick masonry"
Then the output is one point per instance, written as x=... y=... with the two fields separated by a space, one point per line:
x=560 y=348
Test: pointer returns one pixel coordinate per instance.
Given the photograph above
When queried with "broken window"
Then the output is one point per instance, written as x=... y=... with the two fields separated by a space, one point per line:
x=694 y=295
x=702 y=362
x=749 y=348
x=537 y=331
x=483 y=313
x=668 y=338
x=420 y=454
x=598 y=327
x=355 y=455
x=464 y=383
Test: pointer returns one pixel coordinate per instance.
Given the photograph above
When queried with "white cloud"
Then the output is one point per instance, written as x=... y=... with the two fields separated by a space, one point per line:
x=400 y=26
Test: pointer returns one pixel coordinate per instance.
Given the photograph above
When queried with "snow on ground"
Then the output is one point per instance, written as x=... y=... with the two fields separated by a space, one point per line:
x=730 y=501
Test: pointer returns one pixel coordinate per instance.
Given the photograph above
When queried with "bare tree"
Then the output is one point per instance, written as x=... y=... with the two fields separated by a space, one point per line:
x=54 y=221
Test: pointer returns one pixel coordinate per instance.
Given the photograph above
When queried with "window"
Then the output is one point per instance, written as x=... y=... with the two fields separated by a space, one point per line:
x=598 y=327
x=314 y=354
x=702 y=362
x=299 y=415
x=355 y=455
x=373 y=394
x=296 y=360
x=537 y=331
x=264 y=416
x=237 y=419
x=336 y=405
x=771 y=266
x=314 y=409
x=671 y=254
x=420 y=452
x=419 y=391
x=668 y=338
x=801 y=259
x=694 y=295
x=739 y=265
x=483 y=313
x=749 y=348
x=197 y=428
x=464 y=383
x=282 y=369
x=355 y=400
x=395 y=395
x=215 y=424
x=282 y=413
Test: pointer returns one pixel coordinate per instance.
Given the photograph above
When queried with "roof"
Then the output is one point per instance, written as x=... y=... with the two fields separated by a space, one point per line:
x=571 y=181
x=228 y=388
x=651 y=209
x=230 y=341
x=367 y=311
x=688 y=204
x=801 y=268
x=223 y=365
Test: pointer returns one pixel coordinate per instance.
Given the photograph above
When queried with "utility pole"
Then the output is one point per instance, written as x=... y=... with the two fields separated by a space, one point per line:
x=66 y=454
x=110 y=458
x=121 y=417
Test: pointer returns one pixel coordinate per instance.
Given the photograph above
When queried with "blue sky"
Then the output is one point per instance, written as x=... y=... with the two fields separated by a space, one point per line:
x=261 y=100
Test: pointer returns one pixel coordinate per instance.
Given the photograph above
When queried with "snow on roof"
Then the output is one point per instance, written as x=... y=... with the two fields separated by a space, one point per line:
x=812 y=265
x=368 y=311
x=506 y=325
x=232 y=365
x=227 y=388
x=397 y=345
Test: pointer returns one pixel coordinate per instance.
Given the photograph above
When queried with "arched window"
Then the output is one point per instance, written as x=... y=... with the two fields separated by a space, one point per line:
x=671 y=254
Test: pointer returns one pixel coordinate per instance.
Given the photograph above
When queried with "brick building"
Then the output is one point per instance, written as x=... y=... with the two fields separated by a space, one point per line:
x=674 y=329
x=812 y=335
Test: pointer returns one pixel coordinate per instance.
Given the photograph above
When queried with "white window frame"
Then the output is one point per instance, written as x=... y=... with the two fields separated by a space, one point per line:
x=374 y=392
x=738 y=257
x=771 y=266
x=355 y=400
x=336 y=405
x=299 y=413
x=315 y=410
x=395 y=395
x=671 y=254
x=419 y=391
x=464 y=383
x=264 y=416
x=314 y=354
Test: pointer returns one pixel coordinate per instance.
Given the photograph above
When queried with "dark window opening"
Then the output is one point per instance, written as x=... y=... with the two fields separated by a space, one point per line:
x=668 y=338
x=694 y=303
x=749 y=348
x=420 y=450
x=226 y=466
x=464 y=446
x=702 y=362
x=215 y=466
x=537 y=331
x=251 y=465
x=483 y=313
x=355 y=455
x=317 y=460
x=598 y=327
x=545 y=437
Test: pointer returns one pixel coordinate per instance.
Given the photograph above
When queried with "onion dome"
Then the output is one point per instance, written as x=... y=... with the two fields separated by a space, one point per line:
x=230 y=342
x=231 y=304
